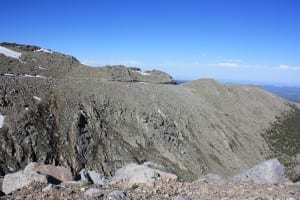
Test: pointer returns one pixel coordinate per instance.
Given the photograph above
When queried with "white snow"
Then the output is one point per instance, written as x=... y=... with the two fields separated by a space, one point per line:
x=1 y=120
x=143 y=73
x=10 y=53
x=8 y=74
x=36 y=76
x=143 y=83
x=44 y=50
x=161 y=113
x=40 y=76
x=25 y=75
x=29 y=76
x=40 y=67
x=37 y=98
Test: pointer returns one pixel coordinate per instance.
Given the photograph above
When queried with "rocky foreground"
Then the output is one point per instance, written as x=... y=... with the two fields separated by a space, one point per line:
x=38 y=181
x=162 y=190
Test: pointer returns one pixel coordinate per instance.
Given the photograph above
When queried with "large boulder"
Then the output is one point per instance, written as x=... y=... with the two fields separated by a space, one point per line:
x=60 y=174
x=93 y=177
x=15 y=181
x=270 y=171
x=139 y=174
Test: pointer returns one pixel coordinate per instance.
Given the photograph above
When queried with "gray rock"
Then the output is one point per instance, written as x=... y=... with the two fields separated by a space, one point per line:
x=211 y=178
x=73 y=183
x=93 y=193
x=97 y=178
x=49 y=187
x=59 y=173
x=181 y=197
x=117 y=195
x=93 y=177
x=1 y=120
x=270 y=171
x=84 y=176
x=30 y=167
x=15 y=181
x=139 y=174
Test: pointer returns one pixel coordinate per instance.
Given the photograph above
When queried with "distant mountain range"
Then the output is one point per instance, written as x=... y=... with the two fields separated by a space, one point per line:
x=288 y=93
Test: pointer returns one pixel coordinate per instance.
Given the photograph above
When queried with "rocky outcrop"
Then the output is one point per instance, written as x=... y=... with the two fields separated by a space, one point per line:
x=133 y=174
x=270 y=171
x=93 y=177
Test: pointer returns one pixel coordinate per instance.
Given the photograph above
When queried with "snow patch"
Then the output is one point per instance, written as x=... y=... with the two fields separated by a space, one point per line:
x=40 y=67
x=1 y=120
x=10 y=53
x=161 y=113
x=37 y=98
x=40 y=76
x=143 y=73
x=36 y=76
x=8 y=74
x=44 y=50
x=25 y=75
x=28 y=76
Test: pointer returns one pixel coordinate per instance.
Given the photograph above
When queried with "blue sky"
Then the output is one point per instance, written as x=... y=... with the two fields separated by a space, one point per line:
x=250 y=40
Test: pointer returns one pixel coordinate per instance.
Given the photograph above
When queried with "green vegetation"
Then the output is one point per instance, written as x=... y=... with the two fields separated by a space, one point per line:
x=284 y=135
x=283 y=139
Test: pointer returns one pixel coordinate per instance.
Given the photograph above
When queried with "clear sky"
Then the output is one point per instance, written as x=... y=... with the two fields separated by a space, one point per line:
x=251 y=40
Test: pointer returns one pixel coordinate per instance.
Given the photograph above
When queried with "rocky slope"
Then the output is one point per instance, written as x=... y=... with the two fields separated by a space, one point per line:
x=61 y=112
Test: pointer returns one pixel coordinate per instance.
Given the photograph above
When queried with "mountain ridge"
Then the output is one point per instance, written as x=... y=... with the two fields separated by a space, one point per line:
x=104 y=118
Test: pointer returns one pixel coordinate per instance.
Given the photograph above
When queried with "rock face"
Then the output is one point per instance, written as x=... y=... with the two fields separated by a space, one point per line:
x=15 y=181
x=105 y=118
x=139 y=174
x=270 y=171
